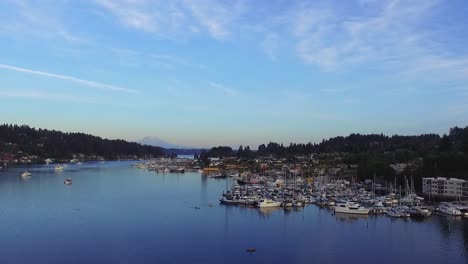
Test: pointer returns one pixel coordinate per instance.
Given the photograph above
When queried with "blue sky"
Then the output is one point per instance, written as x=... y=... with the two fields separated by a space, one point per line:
x=205 y=72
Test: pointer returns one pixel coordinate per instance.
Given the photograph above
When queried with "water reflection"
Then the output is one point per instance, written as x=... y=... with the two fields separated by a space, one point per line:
x=266 y=212
x=349 y=217
x=24 y=178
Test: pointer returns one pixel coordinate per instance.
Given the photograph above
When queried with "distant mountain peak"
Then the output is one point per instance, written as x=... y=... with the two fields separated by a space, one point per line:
x=158 y=142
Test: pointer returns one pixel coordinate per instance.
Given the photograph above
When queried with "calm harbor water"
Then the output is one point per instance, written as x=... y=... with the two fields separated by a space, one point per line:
x=113 y=213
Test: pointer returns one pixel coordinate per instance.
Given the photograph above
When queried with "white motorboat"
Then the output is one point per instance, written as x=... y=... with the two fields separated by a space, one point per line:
x=419 y=211
x=216 y=175
x=299 y=204
x=464 y=211
x=448 y=209
x=59 y=167
x=267 y=203
x=350 y=208
x=26 y=174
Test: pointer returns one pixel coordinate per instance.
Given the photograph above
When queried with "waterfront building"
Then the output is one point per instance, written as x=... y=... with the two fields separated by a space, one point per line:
x=445 y=187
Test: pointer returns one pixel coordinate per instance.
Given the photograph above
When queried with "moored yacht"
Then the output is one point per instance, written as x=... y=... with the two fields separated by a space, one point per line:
x=228 y=201
x=464 y=211
x=448 y=209
x=267 y=203
x=350 y=208
x=419 y=211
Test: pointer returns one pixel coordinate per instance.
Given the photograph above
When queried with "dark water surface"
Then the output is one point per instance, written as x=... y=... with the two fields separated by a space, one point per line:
x=116 y=214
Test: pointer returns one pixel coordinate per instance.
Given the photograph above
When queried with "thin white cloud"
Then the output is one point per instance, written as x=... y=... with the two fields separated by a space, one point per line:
x=84 y=82
x=216 y=16
x=134 y=14
x=168 y=18
x=44 y=20
x=389 y=31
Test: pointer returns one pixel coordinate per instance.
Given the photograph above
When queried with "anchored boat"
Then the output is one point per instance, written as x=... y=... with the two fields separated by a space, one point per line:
x=351 y=208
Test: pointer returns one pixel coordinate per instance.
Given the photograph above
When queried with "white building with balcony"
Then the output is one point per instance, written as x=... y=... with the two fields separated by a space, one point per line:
x=445 y=187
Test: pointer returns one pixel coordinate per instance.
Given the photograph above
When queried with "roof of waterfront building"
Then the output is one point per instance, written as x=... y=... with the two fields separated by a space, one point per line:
x=444 y=178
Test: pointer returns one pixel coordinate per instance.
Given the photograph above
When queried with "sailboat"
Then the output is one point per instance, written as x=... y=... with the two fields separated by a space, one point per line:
x=398 y=211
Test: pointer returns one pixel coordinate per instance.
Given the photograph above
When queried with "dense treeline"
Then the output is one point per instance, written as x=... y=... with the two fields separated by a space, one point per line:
x=55 y=144
x=428 y=155
x=354 y=143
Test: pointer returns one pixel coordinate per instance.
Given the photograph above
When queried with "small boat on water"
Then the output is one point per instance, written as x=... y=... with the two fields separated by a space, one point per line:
x=267 y=203
x=228 y=201
x=464 y=211
x=397 y=212
x=449 y=209
x=216 y=175
x=463 y=208
x=287 y=203
x=419 y=211
x=26 y=174
x=351 y=208
x=298 y=204
x=59 y=167
x=68 y=181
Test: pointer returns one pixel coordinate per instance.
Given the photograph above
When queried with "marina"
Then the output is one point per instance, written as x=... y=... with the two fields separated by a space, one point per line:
x=284 y=188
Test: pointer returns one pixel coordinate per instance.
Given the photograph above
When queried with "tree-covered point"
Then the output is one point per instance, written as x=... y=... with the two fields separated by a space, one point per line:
x=55 y=144
x=428 y=155
x=403 y=148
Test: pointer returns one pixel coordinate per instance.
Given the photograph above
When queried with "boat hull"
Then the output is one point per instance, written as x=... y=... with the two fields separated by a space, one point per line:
x=349 y=211
x=267 y=205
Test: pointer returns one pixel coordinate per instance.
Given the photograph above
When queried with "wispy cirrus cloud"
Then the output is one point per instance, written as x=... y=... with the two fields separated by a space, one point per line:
x=139 y=15
x=168 y=18
x=378 y=32
x=41 y=20
x=92 y=84
x=216 y=16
